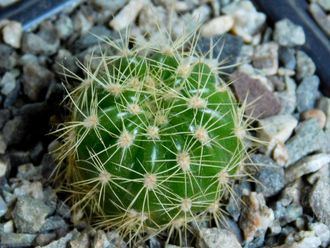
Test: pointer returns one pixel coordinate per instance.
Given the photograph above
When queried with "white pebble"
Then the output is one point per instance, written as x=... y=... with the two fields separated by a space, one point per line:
x=12 y=34
x=217 y=26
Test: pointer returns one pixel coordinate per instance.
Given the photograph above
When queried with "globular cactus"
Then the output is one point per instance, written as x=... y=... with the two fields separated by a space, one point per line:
x=154 y=139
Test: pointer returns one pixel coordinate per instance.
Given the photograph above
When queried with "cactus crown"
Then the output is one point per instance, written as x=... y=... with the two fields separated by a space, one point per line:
x=153 y=139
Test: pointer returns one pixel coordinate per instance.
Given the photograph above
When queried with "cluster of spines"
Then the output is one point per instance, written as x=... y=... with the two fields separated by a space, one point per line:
x=150 y=103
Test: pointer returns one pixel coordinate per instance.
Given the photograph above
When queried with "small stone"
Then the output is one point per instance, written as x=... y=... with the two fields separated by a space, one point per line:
x=320 y=16
x=320 y=201
x=261 y=101
x=7 y=227
x=304 y=143
x=202 y=13
x=63 y=210
x=127 y=15
x=116 y=240
x=276 y=129
x=305 y=242
x=82 y=23
x=16 y=239
x=322 y=231
x=12 y=34
x=324 y=105
x=269 y=175
x=307 y=93
x=100 y=240
x=158 y=15
x=306 y=165
x=287 y=214
x=217 y=238
x=44 y=238
x=29 y=214
x=112 y=6
x=29 y=172
x=3 y=207
x=325 y=4
x=81 y=241
x=233 y=207
x=64 y=27
x=35 y=44
x=280 y=154
x=317 y=114
x=248 y=21
x=287 y=57
x=36 y=80
x=256 y=217
x=11 y=58
x=4 y=117
x=53 y=223
x=217 y=26
x=62 y=242
x=288 y=34
x=305 y=65
x=265 y=58
x=8 y=83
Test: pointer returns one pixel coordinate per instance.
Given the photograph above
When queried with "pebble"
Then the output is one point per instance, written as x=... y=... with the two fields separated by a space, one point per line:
x=158 y=15
x=305 y=65
x=33 y=43
x=10 y=61
x=325 y=4
x=256 y=217
x=248 y=21
x=112 y=6
x=36 y=80
x=269 y=175
x=317 y=114
x=81 y=23
x=288 y=97
x=62 y=242
x=276 y=129
x=280 y=154
x=12 y=34
x=44 y=238
x=115 y=239
x=307 y=93
x=3 y=207
x=320 y=17
x=322 y=231
x=15 y=131
x=81 y=241
x=306 y=242
x=202 y=13
x=250 y=89
x=53 y=223
x=233 y=207
x=64 y=27
x=16 y=239
x=320 y=200
x=287 y=57
x=127 y=14
x=3 y=146
x=100 y=240
x=288 y=34
x=303 y=142
x=217 y=238
x=287 y=214
x=7 y=227
x=265 y=58
x=217 y=26
x=4 y=167
x=306 y=165
x=4 y=117
x=8 y=83
x=29 y=214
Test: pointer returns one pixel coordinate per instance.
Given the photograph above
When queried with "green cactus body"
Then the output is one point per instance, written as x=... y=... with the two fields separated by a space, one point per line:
x=152 y=142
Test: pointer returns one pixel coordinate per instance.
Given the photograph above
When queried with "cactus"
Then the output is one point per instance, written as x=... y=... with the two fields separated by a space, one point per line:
x=154 y=139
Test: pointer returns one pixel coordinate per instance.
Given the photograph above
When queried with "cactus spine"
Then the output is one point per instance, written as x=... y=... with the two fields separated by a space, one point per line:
x=153 y=140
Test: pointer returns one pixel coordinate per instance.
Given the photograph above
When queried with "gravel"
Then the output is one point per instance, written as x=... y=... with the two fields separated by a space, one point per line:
x=287 y=203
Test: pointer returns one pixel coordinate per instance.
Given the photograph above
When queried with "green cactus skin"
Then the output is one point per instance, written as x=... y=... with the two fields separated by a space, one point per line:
x=153 y=141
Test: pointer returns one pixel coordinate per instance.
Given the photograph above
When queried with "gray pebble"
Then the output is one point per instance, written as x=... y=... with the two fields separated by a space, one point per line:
x=320 y=16
x=65 y=63
x=288 y=34
x=29 y=214
x=287 y=214
x=112 y=6
x=3 y=146
x=36 y=79
x=44 y=238
x=325 y=4
x=287 y=57
x=322 y=231
x=100 y=240
x=16 y=239
x=63 y=210
x=3 y=207
x=81 y=241
x=15 y=131
x=8 y=83
x=64 y=26
x=62 y=242
x=33 y=43
x=233 y=207
x=4 y=117
x=320 y=201
x=10 y=61
x=265 y=58
x=303 y=142
x=269 y=175
x=305 y=65
x=217 y=238
x=29 y=58
x=53 y=223
x=307 y=93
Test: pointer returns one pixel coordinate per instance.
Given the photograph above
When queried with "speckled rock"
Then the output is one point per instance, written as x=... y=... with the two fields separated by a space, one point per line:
x=217 y=238
x=265 y=58
x=16 y=239
x=276 y=129
x=29 y=214
x=288 y=34
x=320 y=201
x=303 y=142
x=306 y=165
x=256 y=217
x=261 y=101
x=269 y=175
x=307 y=93
x=305 y=65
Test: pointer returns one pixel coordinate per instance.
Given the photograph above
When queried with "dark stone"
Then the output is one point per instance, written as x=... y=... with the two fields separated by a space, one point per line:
x=12 y=96
x=9 y=62
x=228 y=46
x=287 y=57
x=261 y=102
x=4 y=117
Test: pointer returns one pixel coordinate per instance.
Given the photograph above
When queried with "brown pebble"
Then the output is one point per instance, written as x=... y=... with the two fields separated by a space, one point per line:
x=317 y=114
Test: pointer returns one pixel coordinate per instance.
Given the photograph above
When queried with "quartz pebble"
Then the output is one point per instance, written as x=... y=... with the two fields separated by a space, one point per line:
x=217 y=238
x=12 y=34
x=306 y=165
x=217 y=26
x=288 y=34
x=317 y=114
x=127 y=15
